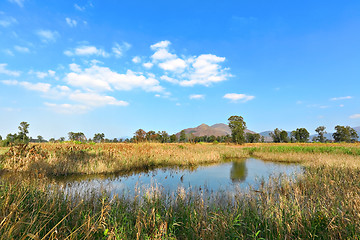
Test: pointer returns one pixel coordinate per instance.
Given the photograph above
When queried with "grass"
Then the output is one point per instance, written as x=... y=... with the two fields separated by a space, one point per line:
x=69 y=158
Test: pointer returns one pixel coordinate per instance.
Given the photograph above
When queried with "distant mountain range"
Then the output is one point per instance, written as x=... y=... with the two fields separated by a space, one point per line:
x=221 y=129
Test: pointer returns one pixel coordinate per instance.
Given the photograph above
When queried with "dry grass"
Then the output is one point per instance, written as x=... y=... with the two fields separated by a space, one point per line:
x=69 y=158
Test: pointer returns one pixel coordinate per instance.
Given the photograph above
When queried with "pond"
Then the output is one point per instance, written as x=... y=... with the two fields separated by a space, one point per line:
x=229 y=176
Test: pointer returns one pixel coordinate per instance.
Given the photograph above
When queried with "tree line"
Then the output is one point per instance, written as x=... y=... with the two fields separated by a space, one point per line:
x=236 y=124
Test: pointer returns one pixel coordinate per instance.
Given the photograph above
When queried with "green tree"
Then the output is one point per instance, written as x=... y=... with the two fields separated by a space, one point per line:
x=276 y=135
x=321 y=132
x=237 y=126
x=252 y=137
x=23 y=131
x=0 y=137
x=345 y=134
x=99 y=137
x=301 y=135
x=182 y=136
x=173 y=138
x=284 y=137
x=151 y=136
x=40 y=139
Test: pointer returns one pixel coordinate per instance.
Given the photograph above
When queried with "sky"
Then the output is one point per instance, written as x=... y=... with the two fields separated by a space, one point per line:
x=114 y=67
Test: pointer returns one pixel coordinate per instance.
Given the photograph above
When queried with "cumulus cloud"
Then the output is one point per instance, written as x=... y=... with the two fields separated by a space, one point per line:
x=96 y=78
x=340 y=98
x=355 y=116
x=197 y=96
x=95 y=100
x=120 y=49
x=5 y=71
x=66 y=108
x=40 y=87
x=20 y=3
x=234 y=97
x=148 y=65
x=71 y=22
x=7 y=21
x=136 y=59
x=86 y=51
x=47 y=35
x=204 y=69
x=41 y=75
x=21 y=49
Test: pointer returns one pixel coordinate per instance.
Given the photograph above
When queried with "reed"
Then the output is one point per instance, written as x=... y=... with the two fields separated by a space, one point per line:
x=70 y=158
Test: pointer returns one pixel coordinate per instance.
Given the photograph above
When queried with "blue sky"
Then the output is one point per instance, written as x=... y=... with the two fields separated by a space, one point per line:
x=117 y=66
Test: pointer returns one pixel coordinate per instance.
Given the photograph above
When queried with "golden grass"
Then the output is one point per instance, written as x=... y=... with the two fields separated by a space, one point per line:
x=69 y=158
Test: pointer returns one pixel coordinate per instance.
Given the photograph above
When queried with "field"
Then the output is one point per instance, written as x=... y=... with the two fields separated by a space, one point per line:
x=323 y=203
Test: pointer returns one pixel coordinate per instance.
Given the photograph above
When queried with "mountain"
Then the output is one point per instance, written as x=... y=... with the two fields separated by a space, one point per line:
x=219 y=129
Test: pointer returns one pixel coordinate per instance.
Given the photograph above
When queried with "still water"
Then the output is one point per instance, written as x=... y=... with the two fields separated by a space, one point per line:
x=238 y=174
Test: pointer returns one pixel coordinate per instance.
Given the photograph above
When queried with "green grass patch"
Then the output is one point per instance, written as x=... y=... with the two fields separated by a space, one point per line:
x=305 y=149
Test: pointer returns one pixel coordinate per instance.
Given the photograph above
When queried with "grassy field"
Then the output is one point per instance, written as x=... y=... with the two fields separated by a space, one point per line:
x=69 y=158
x=323 y=203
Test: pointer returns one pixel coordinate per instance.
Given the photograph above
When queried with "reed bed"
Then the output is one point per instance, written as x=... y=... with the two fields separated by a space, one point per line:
x=323 y=203
x=70 y=158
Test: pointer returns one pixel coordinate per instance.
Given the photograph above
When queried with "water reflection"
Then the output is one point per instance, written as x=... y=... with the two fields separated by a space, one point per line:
x=238 y=171
x=235 y=175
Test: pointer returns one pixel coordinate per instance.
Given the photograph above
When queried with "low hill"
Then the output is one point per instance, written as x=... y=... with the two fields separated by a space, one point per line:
x=219 y=129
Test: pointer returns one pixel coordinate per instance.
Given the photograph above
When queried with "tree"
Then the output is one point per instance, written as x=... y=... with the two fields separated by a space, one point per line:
x=345 y=134
x=163 y=137
x=79 y=136
x=182 y=136
x=237 y=126
x=301 y=135
x=151 y=136
x=99 y=137
x=173 y=138
x=0 y=137
x=61 y=139
x=321 y=132
x=140 y=135
x=252 y=137
x=279 y=136
x=40 y=138
x=23 y=131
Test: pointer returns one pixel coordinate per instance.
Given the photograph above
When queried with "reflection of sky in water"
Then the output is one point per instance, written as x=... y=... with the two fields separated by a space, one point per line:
x=229 y=176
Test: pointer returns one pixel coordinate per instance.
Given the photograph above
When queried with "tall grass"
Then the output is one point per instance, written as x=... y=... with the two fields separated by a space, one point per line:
x=70 y=158
x=324 y=203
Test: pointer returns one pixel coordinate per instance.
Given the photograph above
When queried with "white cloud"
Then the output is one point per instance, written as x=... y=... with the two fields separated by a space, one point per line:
x=148 y=65
x=71 y=22
x=20 y=3
x=47 y=35
x=75 y=67
x=95 y=100
x=197 y=96
x=86 y=51
x=340 y=98
x=136 y=59
x=3 y=70
x=41 y=87
x=177 y=65
x=68 y=108
x=237 y=97
x=162 y=54
x=21 y=49
x=341 y=105
x=7 y=21
x=355 y=116
x=162 y=44
x=77 y=7
x=41 y=75
x=189 y=71
x=169 y=79
x=96 y=78
x=119 y=50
